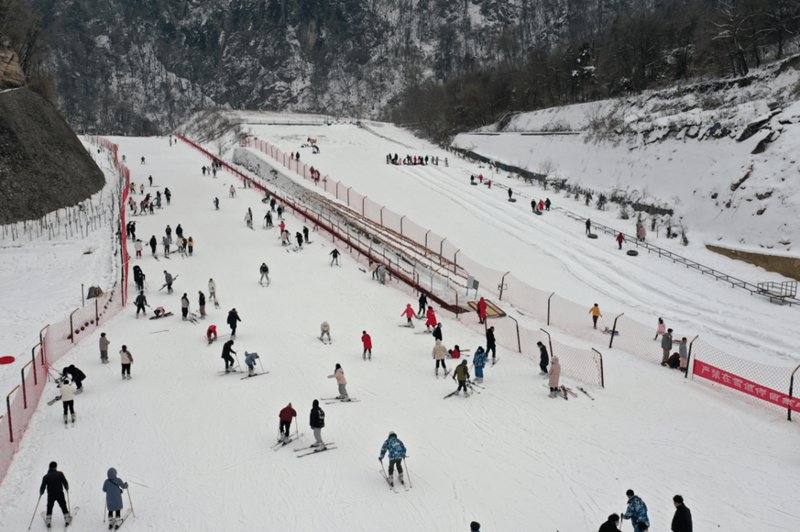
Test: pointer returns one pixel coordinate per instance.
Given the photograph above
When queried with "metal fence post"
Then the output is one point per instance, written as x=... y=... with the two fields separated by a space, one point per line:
x=549 y=341
x=502 y=284
x=689 y=358
x=791 y=392
x=602 y=371
x=614 y=330
x=548 y=307
x=519 y=344
x=8 y=414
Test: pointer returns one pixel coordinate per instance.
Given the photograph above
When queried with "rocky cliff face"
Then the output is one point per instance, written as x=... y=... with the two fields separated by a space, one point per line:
x=11 y=76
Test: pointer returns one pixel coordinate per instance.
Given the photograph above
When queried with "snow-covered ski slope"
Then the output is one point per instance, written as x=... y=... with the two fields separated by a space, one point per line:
x=195 y=446
x=550 y=252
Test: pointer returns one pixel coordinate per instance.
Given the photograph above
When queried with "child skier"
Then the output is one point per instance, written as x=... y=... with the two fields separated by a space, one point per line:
x=366 y=341
x=324 y=330
x=462 y=375
x=250 y=360
x=113 y=487
x=211 y=333
x=285 y=416
x=479 y=362
x=409 y=313
x=397 y=452
x=431 y=319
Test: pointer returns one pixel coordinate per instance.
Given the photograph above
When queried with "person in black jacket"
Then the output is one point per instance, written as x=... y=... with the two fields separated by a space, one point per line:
x=55 y=483
x=141 y=302
x=317 y=422
x=611 y=524
x=76 y=375
x=490 y=343
x=153 y=244
x=233 y=318
x=544 y=358
x=437 y=332
x=423 y=304
x=682 y=520
x=227 y=349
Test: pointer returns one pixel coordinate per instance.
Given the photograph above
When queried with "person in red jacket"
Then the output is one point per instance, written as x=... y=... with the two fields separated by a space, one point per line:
x=481 y=310
x=620 y=239
x=285 y=416
x=431 y=321
x=211 y=333
x=366 y=339
x=409 y=313
x=541 y=205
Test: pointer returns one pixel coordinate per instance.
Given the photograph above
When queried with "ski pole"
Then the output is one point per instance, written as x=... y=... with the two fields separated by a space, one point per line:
x=130 y=502
x=408 y=475
x=34 y=511
x=383 y=469
x=105 y=505
x=262 y=365
x=69 y=505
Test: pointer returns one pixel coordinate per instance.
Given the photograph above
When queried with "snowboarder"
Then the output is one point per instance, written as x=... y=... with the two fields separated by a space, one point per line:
x=55 y=483
x=661 y=329
x=324 y=330
x=636 y=512
x=233 y=318
x=201 y=304
x=544 y=359
x=211 y=333
x=431 y=319
x=481 y=310
x=611 y=524
x=113 y=488
x=264 y=269
x=437 y=332
x=620 y=239
x=338 y=374
x=317 y=422
x=423 y=303
x=227 y=349
x=479 y=362
x=76 y=375
x=366 y=341
x=67 y=398
x=491 y=345
x=141 y=302
x=334 y=256
x=666 y=346
x=104 y=343
x=439 y=354
x=285 y=416
x=409 y=313
x=153 y=244
x=595 y=312
x=397 y=453
x=250 y=361
x=168 y=279
x=555 y=374
x=588 y=226
x=462 y=375
x=126 y=358
x=682 y=520
x=184 y=307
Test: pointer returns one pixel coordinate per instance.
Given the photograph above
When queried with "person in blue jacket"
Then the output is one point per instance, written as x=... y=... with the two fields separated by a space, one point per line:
x=636 y=512
x=479 y=362
x=397 y=451
x=250 y=360
x=113 y=487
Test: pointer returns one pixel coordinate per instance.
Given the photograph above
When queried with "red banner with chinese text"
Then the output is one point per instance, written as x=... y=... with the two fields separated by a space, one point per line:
x=714 y=374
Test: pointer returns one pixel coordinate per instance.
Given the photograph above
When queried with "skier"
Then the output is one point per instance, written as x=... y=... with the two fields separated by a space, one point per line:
x=178 y=231
x=366 y=341
x=439 y=354
x=437 y=332
x=611 y=524
x=462 y=375
x=338 y=374
x=324 y=330
x=588 y=226
x=55 y=483
x=431 y=319
x=138 y=278
x=555 y=374
x=127 y=359
x=280 y=212
x=248 y=218
x=67 y=398
x=481 y=310
x=232 y=192
x=264 y=269
x=166 y=240
x=190 y=245
x=137 y=245
x=141 y=302
x=76 y=375
x=113 y=487
x=620 y=239
x=544 y=359
x=104 y=343
x=479 y=362
x=284 y=238
x=305 y=233
x=184 y=307
x=227 y=349
x=250 y=361
x=150 y=180
x=211 y=332
x=682 y=520
x=142 y=159
x=334 y=256
x=299 y=237
x=423 y=303
x=595 y=312
x=272 y=203
x=201 y=304
x=547 y=204
x=168 y=279
x=661 y=329
x=636 y=512
x=380 y=272
x=212 y=291
x=233 y=318
x=268 y=220
x=409 y=313
x=285 y=416
x=666 y=346
x=153 y=244
x=317 y=422
x=216 y=203
x=491 y=345
x=397 y=453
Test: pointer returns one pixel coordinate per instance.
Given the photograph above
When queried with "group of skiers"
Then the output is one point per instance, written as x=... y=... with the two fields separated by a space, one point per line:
x=636 y=512
x=414 y=160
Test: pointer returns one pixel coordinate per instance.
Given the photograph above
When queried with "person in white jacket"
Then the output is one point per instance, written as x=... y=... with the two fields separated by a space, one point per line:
x=338 y=374
x=127 y=359
x=212 y=291
x=439 y=354
x=67 y=399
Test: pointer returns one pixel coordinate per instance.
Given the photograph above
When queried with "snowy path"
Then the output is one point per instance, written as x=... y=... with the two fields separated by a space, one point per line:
x=508 y=457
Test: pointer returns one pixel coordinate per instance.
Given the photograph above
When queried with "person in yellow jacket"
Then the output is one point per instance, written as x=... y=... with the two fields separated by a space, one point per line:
x=595 y=312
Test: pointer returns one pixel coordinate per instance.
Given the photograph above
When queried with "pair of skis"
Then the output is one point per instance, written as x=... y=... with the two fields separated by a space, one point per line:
x=254 y=375
x=117 y=524
x=334 y=400
x=308 y=451
x=73 y=512
x=281 y=443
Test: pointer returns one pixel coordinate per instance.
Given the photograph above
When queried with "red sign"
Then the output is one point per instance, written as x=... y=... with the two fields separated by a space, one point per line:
x=712 y=373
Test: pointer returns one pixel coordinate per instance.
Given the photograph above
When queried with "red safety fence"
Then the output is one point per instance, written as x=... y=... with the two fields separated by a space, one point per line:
x=57 y=339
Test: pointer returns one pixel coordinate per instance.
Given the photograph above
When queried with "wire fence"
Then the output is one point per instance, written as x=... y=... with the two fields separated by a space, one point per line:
x=57 y=339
